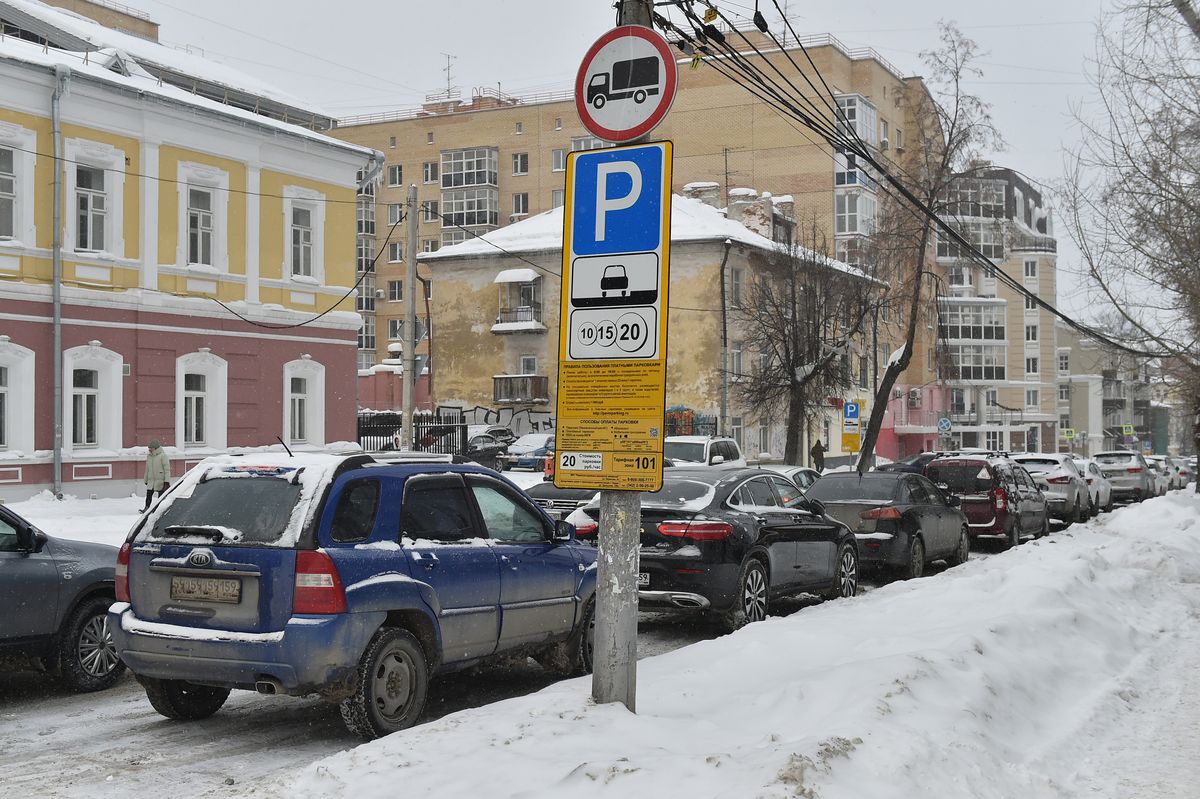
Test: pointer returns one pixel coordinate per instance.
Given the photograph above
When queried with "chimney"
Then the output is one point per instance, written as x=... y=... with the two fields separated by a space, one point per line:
x=705 y=191
x=751 y=211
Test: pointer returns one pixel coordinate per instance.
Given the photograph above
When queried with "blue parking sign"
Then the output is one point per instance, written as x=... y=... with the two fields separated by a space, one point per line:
x=618 y=201
x=850 y=410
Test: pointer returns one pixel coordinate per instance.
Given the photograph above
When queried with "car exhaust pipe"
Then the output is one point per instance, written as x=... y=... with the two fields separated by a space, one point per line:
x=268 y=687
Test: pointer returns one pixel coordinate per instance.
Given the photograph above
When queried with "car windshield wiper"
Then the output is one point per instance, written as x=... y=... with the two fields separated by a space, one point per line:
x=215 y=533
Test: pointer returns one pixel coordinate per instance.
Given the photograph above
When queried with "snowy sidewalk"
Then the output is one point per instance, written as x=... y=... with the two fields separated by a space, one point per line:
x=1064 y=668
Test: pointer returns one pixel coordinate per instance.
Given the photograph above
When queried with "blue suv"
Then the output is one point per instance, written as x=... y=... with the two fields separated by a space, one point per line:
x=347 y=578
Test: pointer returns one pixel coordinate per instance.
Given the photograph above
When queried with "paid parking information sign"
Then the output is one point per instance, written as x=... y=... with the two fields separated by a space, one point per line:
x=612 y=345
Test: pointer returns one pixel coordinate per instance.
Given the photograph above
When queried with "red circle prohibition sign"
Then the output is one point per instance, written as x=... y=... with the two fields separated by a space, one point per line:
x=667 y=96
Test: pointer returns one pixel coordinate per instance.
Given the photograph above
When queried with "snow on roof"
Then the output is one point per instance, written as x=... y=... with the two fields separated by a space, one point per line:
x=517 y=276
x=140 y=49
x=691 y=220
x=93 y=65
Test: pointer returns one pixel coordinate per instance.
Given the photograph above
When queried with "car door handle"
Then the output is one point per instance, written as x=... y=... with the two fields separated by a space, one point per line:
x=760 y=519
x=509 y=562
x=426 y=559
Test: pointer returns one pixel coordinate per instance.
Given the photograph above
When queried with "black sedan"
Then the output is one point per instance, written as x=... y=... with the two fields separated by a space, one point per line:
x=731 y=541
x=902 y=521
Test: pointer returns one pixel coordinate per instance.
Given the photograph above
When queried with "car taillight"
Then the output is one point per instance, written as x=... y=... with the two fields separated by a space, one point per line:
x=1134 y=470
x=122 y=588
x=881 y=513
x=1058 y=480
x=318 y=587
x=587 y=529
x=1001 y=499
x=696 y=531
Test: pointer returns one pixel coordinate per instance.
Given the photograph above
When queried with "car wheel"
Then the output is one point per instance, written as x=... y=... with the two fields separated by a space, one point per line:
x=1109 y=507
x=963 y=551
x=751 y=602
x=1045 y=531
x=87 y=657
x=574 y=656
x=845 y=581
x=1077 y=513
x=393 y=680
x=915 y=567
x=184 y=701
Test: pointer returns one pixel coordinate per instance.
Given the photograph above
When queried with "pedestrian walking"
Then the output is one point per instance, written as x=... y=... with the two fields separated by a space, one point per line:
x=158 y=472
x=818 y=455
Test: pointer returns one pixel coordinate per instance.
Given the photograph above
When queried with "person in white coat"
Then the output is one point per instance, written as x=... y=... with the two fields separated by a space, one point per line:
x=158 y=472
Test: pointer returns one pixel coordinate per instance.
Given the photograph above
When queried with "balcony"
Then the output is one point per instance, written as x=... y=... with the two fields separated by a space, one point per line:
x=520 y=389
x=1024 y=242
x=520 y=319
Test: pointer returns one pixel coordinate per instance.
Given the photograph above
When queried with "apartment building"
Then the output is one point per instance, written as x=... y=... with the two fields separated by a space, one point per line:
x=196 y=241
x=493 y=160
x=1002 y=388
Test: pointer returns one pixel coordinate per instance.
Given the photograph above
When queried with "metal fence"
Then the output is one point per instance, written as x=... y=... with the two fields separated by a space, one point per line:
x=380 y=432
x=690 y=424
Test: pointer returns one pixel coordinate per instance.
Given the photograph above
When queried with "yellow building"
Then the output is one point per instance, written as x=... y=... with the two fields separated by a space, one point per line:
x=194 y=242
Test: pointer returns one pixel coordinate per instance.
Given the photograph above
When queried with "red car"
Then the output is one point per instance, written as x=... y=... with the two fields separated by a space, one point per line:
x=999 y=498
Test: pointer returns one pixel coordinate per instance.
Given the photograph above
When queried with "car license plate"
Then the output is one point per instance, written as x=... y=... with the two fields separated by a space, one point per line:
x=212 y=589
x=643 y=579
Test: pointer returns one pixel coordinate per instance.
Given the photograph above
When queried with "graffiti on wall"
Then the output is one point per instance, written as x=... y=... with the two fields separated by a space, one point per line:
x=524 y=420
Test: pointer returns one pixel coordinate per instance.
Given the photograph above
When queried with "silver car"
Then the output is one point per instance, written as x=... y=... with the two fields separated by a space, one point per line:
x=1132 y=480
x=1099 y=487
x=1170 y=469
x=1067 y=493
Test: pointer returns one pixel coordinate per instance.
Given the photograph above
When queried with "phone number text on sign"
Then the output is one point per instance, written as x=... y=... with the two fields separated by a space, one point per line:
x=581 y=461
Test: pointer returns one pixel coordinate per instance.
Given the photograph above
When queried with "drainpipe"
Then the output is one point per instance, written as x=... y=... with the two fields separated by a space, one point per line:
x=724 y=426
x=62 y=76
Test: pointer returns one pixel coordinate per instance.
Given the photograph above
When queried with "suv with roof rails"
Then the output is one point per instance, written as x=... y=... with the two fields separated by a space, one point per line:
x=346 y=577
x=999 y=498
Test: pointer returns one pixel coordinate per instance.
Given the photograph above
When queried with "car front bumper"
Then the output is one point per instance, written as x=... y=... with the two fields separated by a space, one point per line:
x=312 y=654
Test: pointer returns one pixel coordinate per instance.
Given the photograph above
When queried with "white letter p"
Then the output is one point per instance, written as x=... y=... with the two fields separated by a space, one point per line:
x=604 y=203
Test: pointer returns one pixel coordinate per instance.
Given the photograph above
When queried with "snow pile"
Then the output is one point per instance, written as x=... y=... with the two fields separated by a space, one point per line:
x=988 y=680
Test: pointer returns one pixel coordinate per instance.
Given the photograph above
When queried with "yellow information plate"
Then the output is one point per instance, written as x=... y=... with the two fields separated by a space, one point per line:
x=612 y=364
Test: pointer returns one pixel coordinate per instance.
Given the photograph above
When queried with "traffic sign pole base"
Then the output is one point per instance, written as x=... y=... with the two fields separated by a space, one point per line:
x=614 y=651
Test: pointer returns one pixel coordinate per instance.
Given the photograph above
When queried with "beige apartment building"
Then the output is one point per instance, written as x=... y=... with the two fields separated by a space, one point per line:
x=1003 y=393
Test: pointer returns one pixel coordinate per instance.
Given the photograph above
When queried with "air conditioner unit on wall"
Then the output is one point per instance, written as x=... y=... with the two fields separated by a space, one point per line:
x=914 y=398
x=897 y=393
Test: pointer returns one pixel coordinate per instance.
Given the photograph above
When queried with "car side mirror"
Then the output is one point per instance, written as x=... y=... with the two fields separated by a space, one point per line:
x=811 y=505
x=26 y=540
x=563 y=532
x=953 y=500
x=715 y=459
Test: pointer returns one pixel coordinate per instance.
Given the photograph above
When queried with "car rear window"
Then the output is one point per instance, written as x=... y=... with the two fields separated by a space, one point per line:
x=684 y=451
x=873 y=486
x=961 y=477
x=251 y=509
x=1048 y=463
x=1115 y=458
x=678 y=491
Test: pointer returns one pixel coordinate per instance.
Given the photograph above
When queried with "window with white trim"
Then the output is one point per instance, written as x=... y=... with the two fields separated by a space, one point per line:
x=85 y=407
x=1064 y=392
x=304 y=234
x=1031 y=303
x=16 y=397
x=201 y=400
x=395 y=290
x=558 y=160
x=365 y=214
x=429 y=172
x=854 y=211
x=194 y=395
x=735 y=360
x=395 y=329
x=1033 y=398
x=430 y=212
x=1031 y=268
x=558 y=123
x=764 y=436
x=366 y=293
x=91 y=208
x=581 y=143
x=304 y=401
x=395 y=175
x=1064 y=363
x=528 y=365
x=365 y=254
x=8 y=195
x=735 y=287
x=993 y=439
x=1031 y=333
x=857 y=113
x=395 y=211
x=520 y=163
x=520 y=203
x=431 y=245
x=1032 y=366
x=395 y=252
x=557 y=198
x=366 y=339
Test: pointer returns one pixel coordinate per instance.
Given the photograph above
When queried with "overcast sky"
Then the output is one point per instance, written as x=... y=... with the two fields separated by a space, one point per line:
x=356 y=56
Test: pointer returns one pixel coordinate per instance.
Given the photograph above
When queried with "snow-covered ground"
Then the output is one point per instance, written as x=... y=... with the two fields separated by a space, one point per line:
x=1065 y=668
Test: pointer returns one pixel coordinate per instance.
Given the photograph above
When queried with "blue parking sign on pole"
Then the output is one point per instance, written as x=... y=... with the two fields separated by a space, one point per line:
x=850 y=410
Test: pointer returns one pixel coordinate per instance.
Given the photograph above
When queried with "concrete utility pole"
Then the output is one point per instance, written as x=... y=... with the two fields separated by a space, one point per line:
x=614 y=651
x=409 y=338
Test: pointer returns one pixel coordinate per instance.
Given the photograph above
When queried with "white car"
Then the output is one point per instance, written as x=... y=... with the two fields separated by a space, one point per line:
x=1158 y=476
x=802 y=476
x=1067 y=493
x=693 y=451
x=1099 y=487
x=1170 y=468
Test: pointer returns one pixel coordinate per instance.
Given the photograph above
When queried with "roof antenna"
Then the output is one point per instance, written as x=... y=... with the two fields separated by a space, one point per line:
x=285 y=446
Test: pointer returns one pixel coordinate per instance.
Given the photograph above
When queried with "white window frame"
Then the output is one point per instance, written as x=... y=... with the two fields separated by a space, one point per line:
x=519 y=168
x=216 y=399
x=558 y=198
x=1035 y=338
x=216 y=182
x=23 y=143
x=428 y=174
x=520 y=203
x=1033 y=398
x=395 y=252
x=97 y=155
x=1064 y=388
x=431 y=211
x=314 y=201
x=1035 y=362
x=558 y=159
x=526 y=361
x=1064 y=368
x=19 y=416
x=395 y=291
x=395 y=174
x=110 y=394
x=314 y=410
x=1031 y=262
x=395 y=211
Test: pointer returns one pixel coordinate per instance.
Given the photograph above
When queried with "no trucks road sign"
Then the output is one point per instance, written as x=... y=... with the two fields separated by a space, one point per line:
x=625 y=84
x=612 y=362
